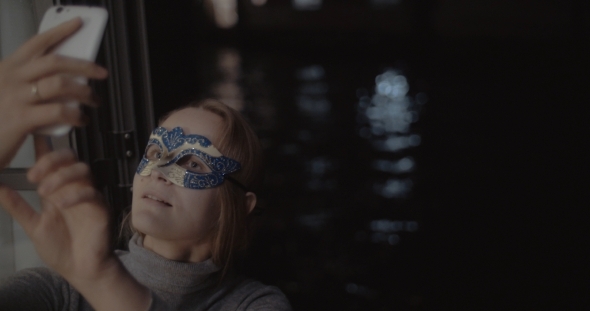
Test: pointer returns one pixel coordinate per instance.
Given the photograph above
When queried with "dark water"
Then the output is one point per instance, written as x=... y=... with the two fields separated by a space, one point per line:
x=405 y=174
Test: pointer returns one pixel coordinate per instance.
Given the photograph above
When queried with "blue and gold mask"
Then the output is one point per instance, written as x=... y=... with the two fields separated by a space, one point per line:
x=189 y=161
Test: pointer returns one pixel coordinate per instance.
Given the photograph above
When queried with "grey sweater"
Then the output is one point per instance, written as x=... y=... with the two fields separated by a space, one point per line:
x=174 y=285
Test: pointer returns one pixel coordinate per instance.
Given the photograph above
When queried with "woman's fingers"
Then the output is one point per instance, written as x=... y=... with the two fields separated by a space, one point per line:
x=50 y=163
x=73 y=194
x=40 y=44
x=18 y=208
x=64 y=87
x=63 y=181
x=51 y=64
x=79 y=172
x=50 y=114
x=56 y=88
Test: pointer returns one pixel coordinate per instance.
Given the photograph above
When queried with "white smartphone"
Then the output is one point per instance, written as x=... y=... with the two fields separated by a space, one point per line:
x=83 y=44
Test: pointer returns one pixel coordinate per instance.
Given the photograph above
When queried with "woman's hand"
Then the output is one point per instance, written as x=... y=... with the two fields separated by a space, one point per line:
x=34 y=84
x=71 y=233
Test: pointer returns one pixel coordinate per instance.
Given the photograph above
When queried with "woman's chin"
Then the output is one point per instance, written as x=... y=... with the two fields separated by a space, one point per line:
x=147 y=224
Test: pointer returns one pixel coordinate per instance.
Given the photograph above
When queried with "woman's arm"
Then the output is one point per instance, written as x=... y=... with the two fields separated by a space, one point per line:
x=72 y=233
x=34 y=84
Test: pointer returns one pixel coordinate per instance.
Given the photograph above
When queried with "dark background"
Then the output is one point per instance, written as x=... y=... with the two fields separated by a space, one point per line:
x=495 y=213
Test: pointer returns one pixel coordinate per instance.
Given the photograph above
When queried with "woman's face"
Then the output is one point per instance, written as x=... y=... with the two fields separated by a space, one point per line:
x=165 y=211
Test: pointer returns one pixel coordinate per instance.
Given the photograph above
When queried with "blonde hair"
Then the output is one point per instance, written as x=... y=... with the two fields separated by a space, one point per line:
x=239 y=142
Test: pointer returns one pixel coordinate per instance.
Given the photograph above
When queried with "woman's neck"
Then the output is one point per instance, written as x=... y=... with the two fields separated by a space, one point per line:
x=178 y=250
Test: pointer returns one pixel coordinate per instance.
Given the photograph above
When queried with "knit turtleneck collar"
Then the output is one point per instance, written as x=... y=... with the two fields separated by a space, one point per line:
x=161 y=274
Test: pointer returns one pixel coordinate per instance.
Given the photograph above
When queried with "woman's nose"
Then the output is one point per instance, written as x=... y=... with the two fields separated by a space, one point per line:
x=159 y=175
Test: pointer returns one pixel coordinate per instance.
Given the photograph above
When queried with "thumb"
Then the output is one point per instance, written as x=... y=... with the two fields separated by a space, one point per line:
x=18 y=208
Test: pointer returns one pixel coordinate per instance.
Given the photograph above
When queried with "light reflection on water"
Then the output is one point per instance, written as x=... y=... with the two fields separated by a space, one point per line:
x=403 y=165
x=389 y=113
x=346 y=168
x=312 y=96
x=385 y=119
x=386 y=225
x=394 y=188
x=312 y=101
x=311 y=73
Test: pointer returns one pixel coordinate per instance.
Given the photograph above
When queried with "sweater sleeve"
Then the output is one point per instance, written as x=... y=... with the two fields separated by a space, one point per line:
x=35 y=289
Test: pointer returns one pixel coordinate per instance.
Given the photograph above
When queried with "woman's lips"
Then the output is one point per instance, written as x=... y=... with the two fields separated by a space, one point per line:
x=155 y=198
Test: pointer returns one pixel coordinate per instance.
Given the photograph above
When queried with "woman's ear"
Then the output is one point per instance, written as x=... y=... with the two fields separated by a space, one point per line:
x=250 y=201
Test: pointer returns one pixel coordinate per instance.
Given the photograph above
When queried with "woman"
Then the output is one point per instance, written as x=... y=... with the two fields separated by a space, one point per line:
x=191 y=200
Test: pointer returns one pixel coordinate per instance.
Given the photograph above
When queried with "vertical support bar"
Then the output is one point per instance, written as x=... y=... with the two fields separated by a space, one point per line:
x=127 y=99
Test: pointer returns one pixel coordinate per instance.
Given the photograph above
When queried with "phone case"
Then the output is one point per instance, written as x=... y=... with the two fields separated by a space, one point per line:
x=83 y=44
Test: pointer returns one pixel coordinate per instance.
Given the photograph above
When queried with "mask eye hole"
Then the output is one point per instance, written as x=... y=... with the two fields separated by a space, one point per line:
x=153 y=152
x=194 y=164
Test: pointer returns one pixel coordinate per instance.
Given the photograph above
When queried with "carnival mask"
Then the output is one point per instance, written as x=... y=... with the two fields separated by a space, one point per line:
x=189 y=161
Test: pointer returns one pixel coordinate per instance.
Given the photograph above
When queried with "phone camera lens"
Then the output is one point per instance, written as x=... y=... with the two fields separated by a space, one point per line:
x=59 y=9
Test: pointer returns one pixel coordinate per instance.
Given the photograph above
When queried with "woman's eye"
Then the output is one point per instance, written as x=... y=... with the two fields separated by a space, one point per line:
x=153 y=152
x=193 y=164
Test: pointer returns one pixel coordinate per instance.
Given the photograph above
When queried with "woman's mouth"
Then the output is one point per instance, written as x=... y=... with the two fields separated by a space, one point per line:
x=151 y=197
